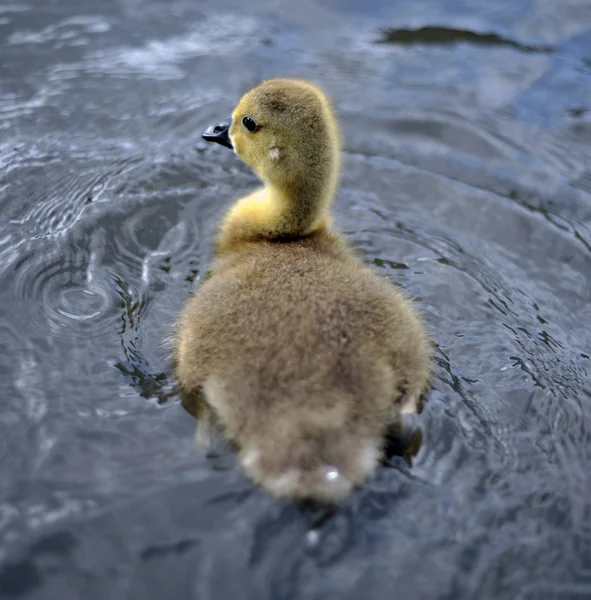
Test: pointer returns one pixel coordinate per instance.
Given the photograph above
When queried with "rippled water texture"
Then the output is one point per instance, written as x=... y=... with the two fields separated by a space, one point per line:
x=467 y=179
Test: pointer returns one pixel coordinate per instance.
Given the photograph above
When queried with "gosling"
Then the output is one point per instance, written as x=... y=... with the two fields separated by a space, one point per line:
x=297 y=353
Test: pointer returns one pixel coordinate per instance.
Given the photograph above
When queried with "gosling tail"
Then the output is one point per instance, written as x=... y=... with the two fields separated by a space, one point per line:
x=324 y=484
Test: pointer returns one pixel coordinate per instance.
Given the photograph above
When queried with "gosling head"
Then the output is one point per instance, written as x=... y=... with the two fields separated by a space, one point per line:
x=285 y=130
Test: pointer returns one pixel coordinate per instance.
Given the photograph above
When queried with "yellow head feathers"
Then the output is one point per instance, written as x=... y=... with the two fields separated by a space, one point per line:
x=286 y=131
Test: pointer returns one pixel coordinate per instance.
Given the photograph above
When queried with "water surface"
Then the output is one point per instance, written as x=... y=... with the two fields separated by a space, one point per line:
x=466 y=179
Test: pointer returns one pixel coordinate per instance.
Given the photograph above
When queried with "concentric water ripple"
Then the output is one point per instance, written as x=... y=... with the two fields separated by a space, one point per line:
x=53 y=295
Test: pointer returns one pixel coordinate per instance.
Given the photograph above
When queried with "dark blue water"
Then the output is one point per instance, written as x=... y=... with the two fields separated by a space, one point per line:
x=467 y=179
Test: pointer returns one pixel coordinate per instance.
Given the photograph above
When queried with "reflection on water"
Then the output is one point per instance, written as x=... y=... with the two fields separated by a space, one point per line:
x=443 y=36
x=466 y=180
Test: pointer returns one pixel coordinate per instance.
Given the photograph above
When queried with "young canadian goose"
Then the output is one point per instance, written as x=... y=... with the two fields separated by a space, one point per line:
x=303 y=357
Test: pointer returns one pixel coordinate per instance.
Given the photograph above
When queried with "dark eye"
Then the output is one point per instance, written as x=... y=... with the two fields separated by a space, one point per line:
x=249 y=124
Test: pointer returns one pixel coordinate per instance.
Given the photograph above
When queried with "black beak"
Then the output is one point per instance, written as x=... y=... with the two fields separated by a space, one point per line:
x=219 y=133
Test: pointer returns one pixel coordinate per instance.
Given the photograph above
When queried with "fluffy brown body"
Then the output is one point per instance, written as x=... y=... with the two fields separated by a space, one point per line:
x=301 y=356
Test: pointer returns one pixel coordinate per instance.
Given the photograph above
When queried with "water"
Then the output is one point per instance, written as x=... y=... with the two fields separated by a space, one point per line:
x=467 y=180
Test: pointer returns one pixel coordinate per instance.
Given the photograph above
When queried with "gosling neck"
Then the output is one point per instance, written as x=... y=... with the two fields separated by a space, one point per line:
x=279 y=212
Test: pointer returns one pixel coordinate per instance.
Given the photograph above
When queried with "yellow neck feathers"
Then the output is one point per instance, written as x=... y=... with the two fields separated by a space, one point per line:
x=285 y=130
